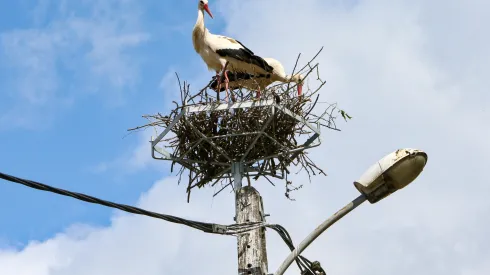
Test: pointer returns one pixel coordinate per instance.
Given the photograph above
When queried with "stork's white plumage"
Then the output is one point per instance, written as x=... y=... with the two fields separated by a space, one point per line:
x=261 y=80
x=219 y=52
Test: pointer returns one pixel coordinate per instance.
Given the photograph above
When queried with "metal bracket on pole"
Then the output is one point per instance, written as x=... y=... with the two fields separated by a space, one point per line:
x=237 y=171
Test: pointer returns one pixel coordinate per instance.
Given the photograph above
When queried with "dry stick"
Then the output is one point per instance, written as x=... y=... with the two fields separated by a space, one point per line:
x=294 y=68
x=223 y=188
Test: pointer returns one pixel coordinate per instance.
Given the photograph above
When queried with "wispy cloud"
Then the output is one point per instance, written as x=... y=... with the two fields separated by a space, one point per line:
x=84 y=48
x=134 y=160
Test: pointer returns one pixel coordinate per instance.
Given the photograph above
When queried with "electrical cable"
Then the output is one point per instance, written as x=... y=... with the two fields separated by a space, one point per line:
x=306 y=267
x=206 y=227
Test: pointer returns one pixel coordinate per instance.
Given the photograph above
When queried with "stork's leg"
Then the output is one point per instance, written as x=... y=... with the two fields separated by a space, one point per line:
x=218 y=78
x=226 y=80
x=227 y=87
x=258 y=93
x=223 y=72
x=215 y=119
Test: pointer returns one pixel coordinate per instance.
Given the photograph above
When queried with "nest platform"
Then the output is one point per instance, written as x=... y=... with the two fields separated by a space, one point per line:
x=262 y=137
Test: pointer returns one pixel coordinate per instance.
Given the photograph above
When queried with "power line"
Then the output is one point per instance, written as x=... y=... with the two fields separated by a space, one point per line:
x=306 y=267
x=206 y=227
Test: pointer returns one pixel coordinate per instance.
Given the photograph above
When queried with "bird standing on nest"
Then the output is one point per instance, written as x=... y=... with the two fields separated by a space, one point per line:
x=219 y=52
x=260 y=81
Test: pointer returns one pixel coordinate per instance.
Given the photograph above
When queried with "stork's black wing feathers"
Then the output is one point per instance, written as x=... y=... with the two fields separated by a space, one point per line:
x=246 y=55
x=245 y=47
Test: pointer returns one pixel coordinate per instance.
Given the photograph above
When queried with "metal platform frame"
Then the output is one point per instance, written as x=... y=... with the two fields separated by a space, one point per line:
x=235 y=169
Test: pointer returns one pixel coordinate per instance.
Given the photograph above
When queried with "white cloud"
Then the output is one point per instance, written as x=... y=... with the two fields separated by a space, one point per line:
x=71 y=56
x=388 y=63
x=134 y=160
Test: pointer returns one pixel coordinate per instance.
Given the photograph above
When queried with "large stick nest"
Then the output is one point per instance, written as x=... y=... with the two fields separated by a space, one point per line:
x=207 y=142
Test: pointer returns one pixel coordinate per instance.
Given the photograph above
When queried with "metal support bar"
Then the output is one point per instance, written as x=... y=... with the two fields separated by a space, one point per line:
x=300 y=119
x=226 y=106
x=214 y=141
x=162 y=134
x=306 y=144
x=318 y=231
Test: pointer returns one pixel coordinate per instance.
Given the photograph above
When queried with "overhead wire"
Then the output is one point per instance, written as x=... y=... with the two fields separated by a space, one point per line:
x=203 y=226
x=306 y=267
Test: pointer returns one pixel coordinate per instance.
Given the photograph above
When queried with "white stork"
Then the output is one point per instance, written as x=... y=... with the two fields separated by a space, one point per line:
x=260 y=81
x=219 y=51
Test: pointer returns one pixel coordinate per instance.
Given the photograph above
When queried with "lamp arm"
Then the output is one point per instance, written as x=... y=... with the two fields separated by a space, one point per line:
x=318 y=231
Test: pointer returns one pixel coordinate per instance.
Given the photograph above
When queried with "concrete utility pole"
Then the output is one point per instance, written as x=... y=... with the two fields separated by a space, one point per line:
x=252 y=253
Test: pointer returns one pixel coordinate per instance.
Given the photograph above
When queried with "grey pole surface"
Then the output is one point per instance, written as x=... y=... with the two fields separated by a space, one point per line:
x=318 y=231
x=251 y=246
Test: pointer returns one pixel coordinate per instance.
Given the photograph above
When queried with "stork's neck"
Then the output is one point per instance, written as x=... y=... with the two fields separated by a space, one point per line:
x=199 y=32
x=200 y=22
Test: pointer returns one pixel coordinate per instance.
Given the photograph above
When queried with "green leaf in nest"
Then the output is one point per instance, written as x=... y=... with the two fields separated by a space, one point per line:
x=345 y=115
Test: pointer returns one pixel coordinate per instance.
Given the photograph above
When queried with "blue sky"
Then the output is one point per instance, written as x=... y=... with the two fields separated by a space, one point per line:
x=60 y=117
x=74 y=75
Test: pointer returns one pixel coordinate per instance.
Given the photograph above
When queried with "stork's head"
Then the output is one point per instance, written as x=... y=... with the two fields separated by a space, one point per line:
x=203 y=5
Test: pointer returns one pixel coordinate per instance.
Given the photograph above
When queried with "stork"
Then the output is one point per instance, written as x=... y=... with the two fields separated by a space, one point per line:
x=219 y=51
x=260 y=81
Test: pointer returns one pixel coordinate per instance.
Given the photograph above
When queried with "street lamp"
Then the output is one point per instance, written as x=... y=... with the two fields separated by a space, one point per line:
x=391 y=173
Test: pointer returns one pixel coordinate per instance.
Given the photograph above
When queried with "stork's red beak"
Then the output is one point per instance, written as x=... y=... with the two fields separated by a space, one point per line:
x=300 y=89
x=206 y=8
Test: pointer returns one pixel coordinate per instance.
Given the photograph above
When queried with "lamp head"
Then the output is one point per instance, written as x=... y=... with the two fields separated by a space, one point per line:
x=393 y=172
